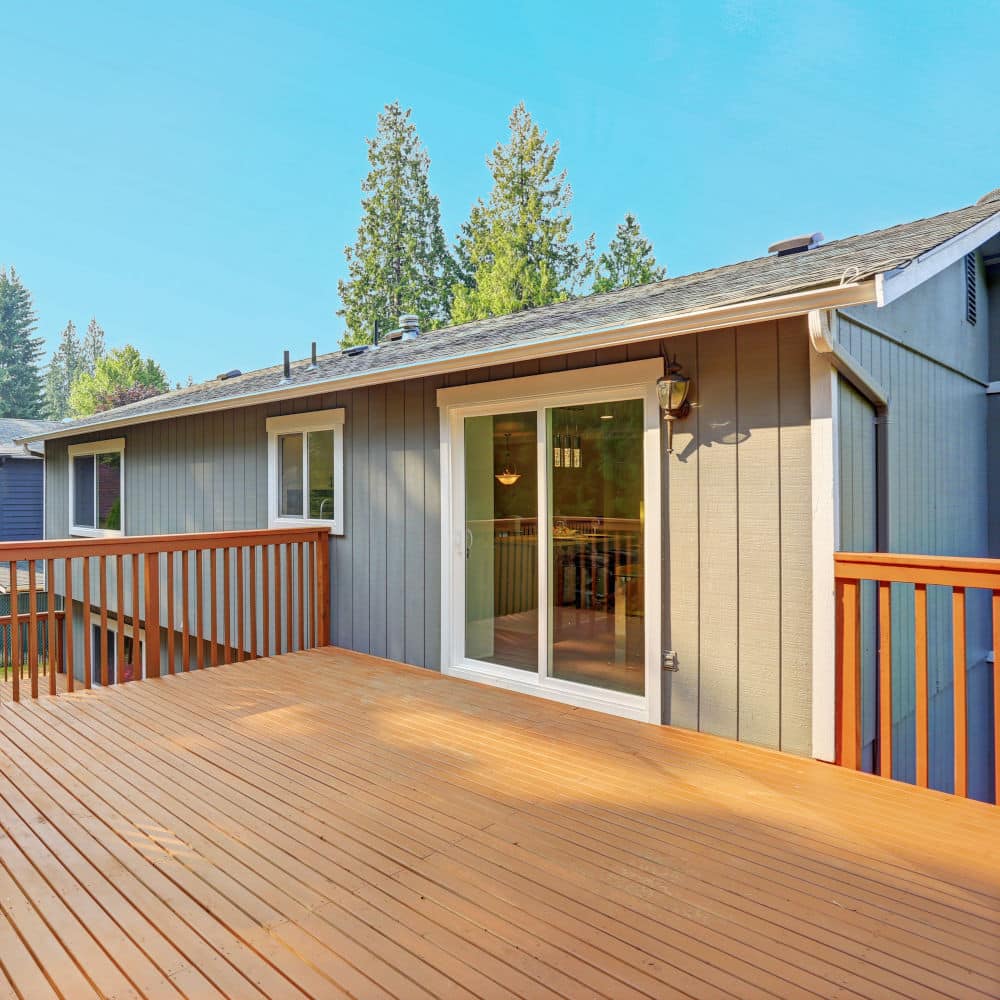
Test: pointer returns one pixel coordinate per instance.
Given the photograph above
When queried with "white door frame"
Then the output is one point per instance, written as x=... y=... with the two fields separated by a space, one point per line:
x=603 y=384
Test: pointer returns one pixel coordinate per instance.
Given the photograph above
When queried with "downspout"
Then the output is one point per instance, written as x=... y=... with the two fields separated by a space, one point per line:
x=824 y=342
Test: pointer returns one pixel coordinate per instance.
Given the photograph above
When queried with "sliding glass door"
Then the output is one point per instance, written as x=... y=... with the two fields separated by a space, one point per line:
x=552 y=562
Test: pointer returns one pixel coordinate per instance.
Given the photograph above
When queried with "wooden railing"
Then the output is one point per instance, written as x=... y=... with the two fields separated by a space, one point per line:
x=193 y=600
x=915 y=574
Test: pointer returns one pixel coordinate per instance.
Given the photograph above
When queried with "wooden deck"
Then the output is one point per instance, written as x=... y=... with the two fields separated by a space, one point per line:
x=328 y=824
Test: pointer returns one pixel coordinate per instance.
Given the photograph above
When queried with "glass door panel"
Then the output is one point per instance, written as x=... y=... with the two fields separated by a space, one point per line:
x=594 y=535
x=501 y=540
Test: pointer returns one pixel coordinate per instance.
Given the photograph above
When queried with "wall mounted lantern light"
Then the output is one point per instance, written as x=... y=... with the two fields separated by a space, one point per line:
x=509 y=475
x=672 y=391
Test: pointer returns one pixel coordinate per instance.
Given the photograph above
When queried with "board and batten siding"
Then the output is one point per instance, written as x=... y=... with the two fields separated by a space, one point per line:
x=21 y=481
x=933 y=366
x=737 y=535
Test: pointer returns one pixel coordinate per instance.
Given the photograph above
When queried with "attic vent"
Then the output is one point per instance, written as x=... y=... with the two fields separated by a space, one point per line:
x=993 y=195
x=797 y=244
x=970 y=289
x=232 y=373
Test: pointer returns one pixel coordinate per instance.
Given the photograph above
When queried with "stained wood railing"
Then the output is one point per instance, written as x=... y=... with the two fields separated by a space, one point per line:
x=193 y=600
x=958 y=575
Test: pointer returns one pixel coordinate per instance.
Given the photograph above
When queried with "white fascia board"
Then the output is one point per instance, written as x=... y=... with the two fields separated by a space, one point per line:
x=717 y=318
x=890 y=285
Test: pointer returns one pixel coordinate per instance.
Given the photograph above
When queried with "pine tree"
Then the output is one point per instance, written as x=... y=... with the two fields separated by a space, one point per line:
x=20 y=350
x=93 y=346
x=400 y=261
x=628 y=261
x=516 y=250
x=64 y=366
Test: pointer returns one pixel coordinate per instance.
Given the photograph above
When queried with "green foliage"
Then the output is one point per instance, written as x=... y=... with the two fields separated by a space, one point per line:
x=400 y=261
x=122 y=369
x=69 y=361
x=516 y=250
x=628 y=261
x=20 y=349
x=93 y=348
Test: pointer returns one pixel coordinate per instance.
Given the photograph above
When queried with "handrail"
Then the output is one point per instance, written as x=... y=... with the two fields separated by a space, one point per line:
x=956 y=573
x=140 y=585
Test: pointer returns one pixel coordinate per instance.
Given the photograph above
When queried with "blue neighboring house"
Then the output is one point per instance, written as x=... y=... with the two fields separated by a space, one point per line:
x=22 y=480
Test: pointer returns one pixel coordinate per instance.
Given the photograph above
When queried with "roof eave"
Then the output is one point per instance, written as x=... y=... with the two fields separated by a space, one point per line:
x=671 y=325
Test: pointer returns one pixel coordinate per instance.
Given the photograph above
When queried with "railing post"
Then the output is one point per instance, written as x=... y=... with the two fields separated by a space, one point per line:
x=849 y=667
x=958 y=660
x=151 y=581
x=921 y=710
x=15 y=635
x=996 y=696
x=323 y=587
x=885 y=679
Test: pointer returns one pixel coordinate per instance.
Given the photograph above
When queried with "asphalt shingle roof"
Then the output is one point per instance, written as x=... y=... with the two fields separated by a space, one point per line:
x=854 y=258
x=13 y=429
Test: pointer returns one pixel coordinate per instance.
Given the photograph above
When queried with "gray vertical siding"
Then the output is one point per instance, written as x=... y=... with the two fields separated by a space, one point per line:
x=738 y=529
x=934 y=367
x=736 y=518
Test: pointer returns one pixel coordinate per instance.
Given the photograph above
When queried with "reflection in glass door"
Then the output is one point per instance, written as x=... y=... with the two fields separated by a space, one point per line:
x=501 y=540
x=596 y=632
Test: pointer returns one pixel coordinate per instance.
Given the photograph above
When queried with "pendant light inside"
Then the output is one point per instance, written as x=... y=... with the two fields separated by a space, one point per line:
x=509 y=476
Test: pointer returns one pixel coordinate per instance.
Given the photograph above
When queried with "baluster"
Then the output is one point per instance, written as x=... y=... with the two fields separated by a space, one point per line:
x=199 y=569
x=226 y=607
x=885 y=679
x=15 y=634
x=300 y=622
x=314 y=590
x=920 y=673
x=33 y=628
x=68 y=624
x=50 y=637
x=959 y=686
x=104 y=621
x=213 y=650
x=88 y=667
x=323 y=588
x=253 y=602
x=996 y=696
x=120 y=632
x=185 y=612
x=136 y=658
x=265 y=553
x=170 y=610
x=240 y=624
x=289 y=548
x=277 y=599
x=151 y=586
x=849 y=659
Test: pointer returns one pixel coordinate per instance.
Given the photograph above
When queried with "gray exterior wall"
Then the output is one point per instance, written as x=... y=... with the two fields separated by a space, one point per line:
x=934 y=367
x=21 y=482
x=737 y=533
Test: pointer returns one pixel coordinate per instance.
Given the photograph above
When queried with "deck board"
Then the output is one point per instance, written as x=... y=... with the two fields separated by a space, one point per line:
x=326 y=823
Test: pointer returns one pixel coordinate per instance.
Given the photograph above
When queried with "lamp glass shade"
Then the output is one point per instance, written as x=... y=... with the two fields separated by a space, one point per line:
x=672 y=391
x=507 y=477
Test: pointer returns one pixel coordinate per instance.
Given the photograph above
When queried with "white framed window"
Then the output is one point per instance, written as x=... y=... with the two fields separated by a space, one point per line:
x=305 y=470
x=97 y=488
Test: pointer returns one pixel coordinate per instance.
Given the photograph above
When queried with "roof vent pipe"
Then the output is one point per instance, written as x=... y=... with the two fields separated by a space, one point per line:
x=409 y=323
x=312 y=363
x=288 y=368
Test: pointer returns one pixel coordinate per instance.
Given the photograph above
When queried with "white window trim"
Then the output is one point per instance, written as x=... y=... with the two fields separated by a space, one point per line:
x=106 y=447
x=292 y=423
x=607 y=383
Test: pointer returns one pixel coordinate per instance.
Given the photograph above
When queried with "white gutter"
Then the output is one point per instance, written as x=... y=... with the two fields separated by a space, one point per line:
x=716 y=318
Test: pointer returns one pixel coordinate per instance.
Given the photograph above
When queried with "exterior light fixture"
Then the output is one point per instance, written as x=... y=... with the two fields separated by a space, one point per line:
x=509 y=475
x=672 y=392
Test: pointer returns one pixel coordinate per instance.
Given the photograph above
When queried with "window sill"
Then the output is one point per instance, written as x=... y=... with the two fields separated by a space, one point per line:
x=75 y=532
x=306 y=522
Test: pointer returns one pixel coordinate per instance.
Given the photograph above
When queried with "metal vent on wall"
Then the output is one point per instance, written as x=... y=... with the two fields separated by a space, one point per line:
x=970 y=288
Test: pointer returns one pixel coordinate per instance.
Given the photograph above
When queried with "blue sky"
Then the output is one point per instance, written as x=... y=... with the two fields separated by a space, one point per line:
x=189 y=172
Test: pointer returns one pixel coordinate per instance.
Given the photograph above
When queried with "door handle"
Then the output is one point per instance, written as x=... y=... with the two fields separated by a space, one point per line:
x=468 y=542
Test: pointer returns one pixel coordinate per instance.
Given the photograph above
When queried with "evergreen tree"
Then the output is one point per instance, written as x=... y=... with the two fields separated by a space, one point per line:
x=628 y=261
x=121 y=370
x=62 y=370
x=400 y=261
x=516 y=250
x=93 y=346
x=20 y=349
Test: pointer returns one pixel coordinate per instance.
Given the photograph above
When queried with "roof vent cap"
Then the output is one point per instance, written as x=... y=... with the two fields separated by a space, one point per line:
x=409 y=323
x=797 y=244
x=993 y=195
x=232 y=373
